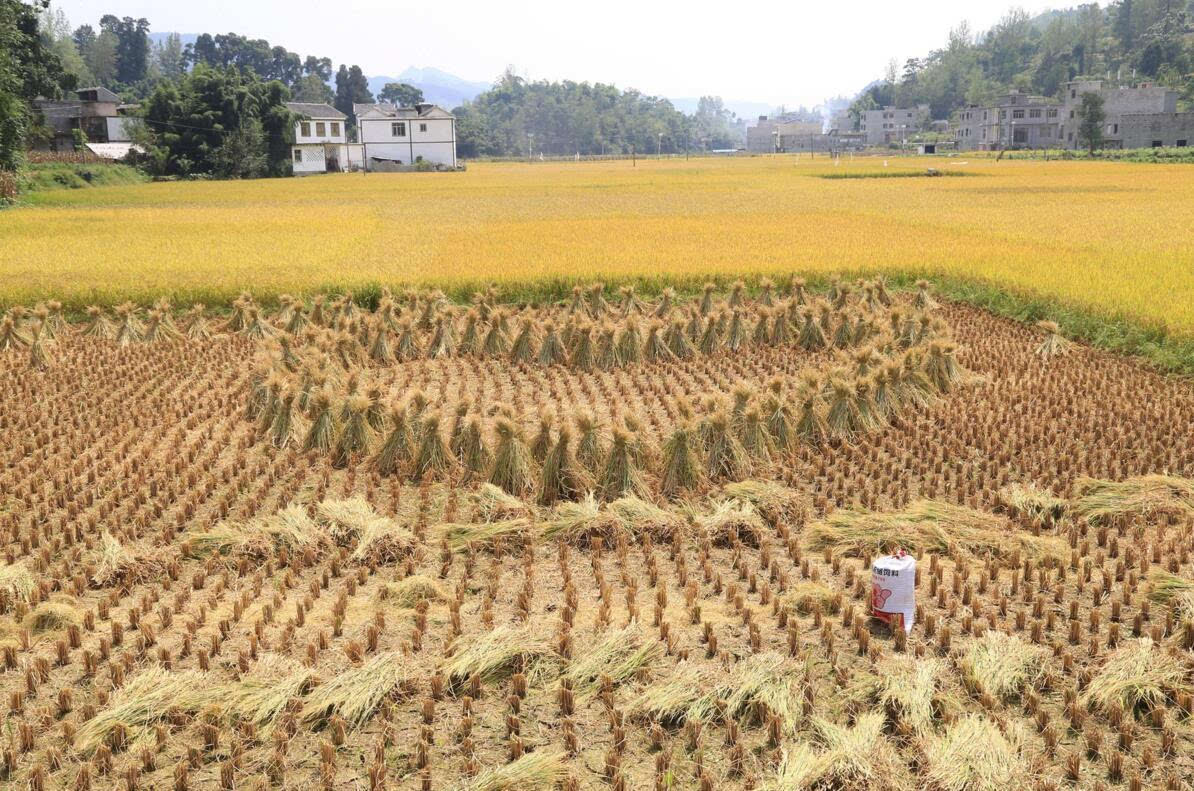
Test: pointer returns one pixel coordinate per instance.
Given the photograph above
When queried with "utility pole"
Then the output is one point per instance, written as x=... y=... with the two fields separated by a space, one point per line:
x=633 y=159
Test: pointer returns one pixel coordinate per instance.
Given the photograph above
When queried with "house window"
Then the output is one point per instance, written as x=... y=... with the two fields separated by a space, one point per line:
x=1053 y=113
x=398 y=129
x=1017 y=113
x=305 y=128
x=298 y=155
x=1034 y=113
x=1020 y=136
x=1073 y=94
x=335 y=128
x=1181 y=144
x=320 y=129
x=1158 y=143
x=422 y=127
x=1115 y=129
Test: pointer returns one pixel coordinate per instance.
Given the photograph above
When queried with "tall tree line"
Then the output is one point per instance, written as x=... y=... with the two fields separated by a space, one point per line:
x=518 y=118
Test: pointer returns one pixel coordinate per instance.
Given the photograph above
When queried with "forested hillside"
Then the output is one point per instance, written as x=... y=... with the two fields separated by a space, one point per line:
x=1142 y=39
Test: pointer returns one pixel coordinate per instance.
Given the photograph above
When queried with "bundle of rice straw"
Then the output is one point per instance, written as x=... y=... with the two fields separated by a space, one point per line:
x=461 y=535
x=498 y=652
x=1002 y=664
x=262 y=537
x=974 y=755
x=776 y=503
x=410 y=591
x=356 y=693
x=260 y=695
x=1031 y=502
x=118 y=566
x=1172 y=590
x=856 y=757
x=619 y=655
x=146 y=699
x=729 y=521
x=491 y=504
x=1147 y=496
x=1138 y=674
x=17 y=581
x=537 y=771
x=929 y=525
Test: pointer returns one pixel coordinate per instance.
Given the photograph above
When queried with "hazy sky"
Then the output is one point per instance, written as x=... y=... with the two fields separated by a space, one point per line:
x=785 y=53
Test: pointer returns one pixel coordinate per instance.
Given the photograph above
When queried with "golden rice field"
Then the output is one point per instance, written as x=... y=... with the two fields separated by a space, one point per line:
x=1109 y=236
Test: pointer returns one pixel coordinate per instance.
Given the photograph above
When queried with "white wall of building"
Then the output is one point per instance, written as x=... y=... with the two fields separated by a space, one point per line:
x=313 y=158
x=407 y=139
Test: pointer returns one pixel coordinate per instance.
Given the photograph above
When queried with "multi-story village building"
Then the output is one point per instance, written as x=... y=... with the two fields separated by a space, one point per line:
x=406 y=135
x=1140 y=116
x=390 y=137
x=321 y=140
x=771 y=135
x=97 y=112
x=892 y=124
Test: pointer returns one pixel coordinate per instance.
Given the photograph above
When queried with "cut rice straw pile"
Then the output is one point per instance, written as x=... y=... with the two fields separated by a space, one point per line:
x=355 y=694
x=729 y=521
x=1146 y=496
x=776 y=503
x=1137 y=674
x=931 y=526
x=145 y=700
x=761 y=685
x=910 y=689
x=262 y=693
x=461 y=535
x=261 y=538
x=857 y=757
x=542 y=769
x=410 y=591
x=674 y=698
x=494 y=505
x=1031 y=502
x=1002 y=664
x=620 y=655
x=629 y=516
x=974 y=755
x=497 y=653
x=1172 y=591
x=17 y=581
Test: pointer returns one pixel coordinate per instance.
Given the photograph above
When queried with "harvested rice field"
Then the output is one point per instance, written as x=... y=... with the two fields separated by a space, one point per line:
x=605 y=543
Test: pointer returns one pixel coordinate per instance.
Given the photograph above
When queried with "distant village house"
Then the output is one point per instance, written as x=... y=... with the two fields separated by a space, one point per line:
x=391 y=138
x=96 y=112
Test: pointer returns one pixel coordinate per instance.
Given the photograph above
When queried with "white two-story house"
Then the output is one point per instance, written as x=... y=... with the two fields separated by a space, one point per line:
x=321 y=140
x=392 y=135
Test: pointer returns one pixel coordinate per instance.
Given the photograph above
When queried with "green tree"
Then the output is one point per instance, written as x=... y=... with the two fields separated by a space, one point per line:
x=401 y=94
x=242 y=154
x=206 y=120
x=132 y=46
x=28 y=69
x=311 y=88
x=168 y=56
x=101 y=58
x=1091 y=118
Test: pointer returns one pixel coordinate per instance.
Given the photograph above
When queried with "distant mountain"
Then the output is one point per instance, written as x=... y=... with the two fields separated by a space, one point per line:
x=160 y=37
x=438 y=87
